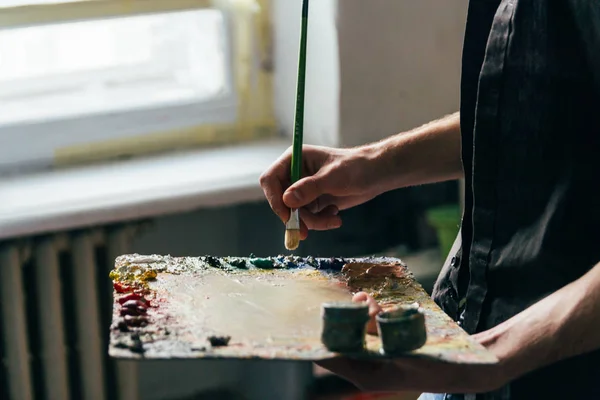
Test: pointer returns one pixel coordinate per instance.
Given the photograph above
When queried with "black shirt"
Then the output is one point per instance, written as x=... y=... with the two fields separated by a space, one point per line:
x=530 y=126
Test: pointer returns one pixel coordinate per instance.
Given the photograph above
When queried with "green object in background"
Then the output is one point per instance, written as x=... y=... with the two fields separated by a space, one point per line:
x=446 y=221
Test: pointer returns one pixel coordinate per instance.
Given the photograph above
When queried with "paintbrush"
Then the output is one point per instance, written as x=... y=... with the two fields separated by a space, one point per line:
x=292 y=227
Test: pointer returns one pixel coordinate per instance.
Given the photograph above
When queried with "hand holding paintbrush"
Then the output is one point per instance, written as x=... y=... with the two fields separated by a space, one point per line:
x=347 y=177
x=292 y=228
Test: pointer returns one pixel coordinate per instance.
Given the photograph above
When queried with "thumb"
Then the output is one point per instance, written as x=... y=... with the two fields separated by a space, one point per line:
x=305 y=191
x=374 y=309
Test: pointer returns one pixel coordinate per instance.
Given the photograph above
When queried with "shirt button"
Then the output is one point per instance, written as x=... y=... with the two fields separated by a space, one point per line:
x=454 y=262
x=461 y=319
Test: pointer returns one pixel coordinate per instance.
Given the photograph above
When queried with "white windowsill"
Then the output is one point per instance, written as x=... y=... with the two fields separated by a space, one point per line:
x=134 y=189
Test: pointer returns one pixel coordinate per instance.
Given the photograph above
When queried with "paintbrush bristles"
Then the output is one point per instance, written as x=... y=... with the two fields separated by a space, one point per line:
x=292 y=231
x=292 y=239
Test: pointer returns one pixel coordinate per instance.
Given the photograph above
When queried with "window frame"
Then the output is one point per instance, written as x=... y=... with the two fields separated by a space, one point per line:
x=246 y=114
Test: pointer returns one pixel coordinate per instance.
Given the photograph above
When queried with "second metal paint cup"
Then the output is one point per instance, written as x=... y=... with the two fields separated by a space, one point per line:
x=401 y=329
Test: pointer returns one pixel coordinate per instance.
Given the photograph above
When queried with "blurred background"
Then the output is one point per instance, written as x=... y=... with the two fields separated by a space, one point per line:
x=143 y=126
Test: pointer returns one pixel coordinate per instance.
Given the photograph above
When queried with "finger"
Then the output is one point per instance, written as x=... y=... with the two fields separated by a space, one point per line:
x=273 y=191
x=485 y=338
x=303 y=230
x=341 y=202
x=331 y=210
x=321 y=203
x=345 y=202
x=341 y=366
x=305 y=191
x=374 y=309
x=271 y=181
x=359 y=372
x=322 y=221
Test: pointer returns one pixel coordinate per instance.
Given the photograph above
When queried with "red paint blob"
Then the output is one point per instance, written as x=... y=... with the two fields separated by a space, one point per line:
x=120 y=288
x=131 y=296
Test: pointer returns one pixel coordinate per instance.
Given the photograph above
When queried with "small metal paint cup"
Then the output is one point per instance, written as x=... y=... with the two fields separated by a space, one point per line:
x=344 y=326
x=401 y=330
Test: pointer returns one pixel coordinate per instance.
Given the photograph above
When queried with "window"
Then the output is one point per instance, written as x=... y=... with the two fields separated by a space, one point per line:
x=79 y=68
x=124 y=77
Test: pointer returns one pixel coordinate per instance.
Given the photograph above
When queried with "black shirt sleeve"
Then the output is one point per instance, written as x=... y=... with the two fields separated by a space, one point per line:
x=586 y=15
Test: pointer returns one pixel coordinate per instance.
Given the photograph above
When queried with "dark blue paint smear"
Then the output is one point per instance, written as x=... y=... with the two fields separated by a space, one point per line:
x=294 y=262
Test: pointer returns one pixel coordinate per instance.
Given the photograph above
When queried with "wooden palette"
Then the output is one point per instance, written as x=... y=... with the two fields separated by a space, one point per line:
x=269 y=308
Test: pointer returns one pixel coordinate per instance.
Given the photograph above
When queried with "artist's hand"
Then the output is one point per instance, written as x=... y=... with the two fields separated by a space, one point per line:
x=418 y=375
x=334 y=180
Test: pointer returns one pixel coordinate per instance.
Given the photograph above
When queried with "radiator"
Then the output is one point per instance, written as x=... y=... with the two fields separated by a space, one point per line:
x=56 y=304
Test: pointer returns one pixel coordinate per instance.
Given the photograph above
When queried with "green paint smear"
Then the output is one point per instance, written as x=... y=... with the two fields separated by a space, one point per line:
x=262 y=262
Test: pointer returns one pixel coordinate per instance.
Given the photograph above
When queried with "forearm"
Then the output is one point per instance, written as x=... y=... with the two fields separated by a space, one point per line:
x=562 y=325
x=428 y=154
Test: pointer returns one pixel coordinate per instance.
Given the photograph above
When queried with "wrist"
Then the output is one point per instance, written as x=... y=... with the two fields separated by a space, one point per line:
x=392 y=164
x=528 y=341
x=381 y=172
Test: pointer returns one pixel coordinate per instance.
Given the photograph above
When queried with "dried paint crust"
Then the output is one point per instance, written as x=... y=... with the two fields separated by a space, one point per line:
x=152 y=319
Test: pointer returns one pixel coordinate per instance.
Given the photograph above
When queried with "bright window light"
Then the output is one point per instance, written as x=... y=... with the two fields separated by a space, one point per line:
x=16 y=3
x=92 y=67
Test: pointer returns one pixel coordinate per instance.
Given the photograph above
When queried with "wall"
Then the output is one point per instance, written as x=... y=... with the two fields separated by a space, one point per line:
x=322 y=69
x=374 y=67
x=400 y=64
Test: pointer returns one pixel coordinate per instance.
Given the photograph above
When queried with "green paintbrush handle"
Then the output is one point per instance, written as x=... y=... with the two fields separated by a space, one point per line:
x=299 y=117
